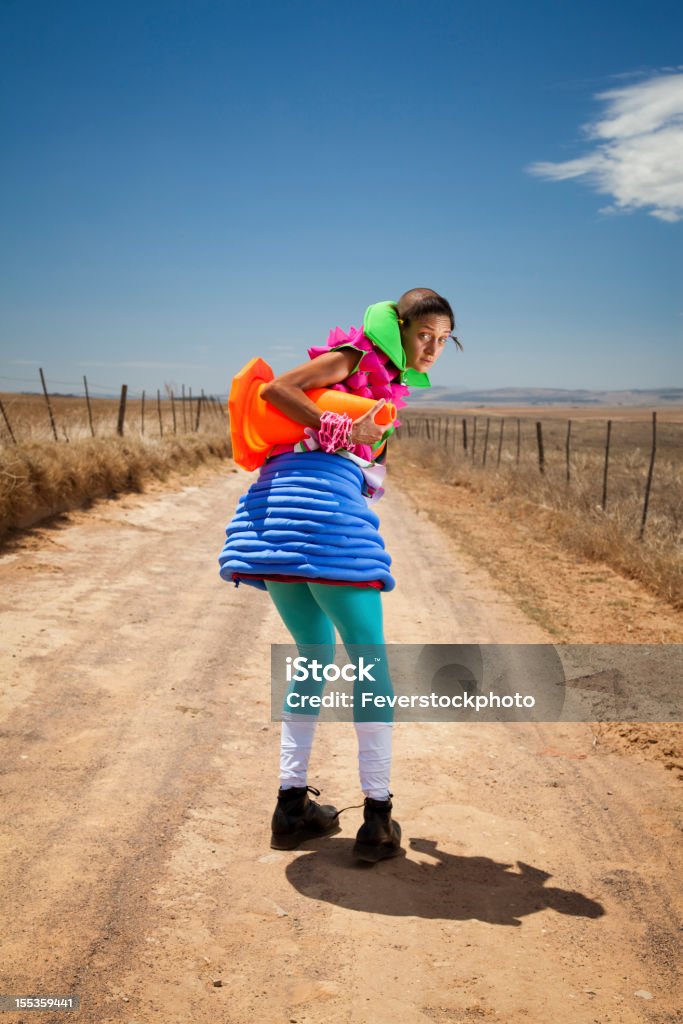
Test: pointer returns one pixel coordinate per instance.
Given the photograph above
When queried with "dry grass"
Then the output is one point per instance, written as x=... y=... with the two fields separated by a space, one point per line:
x=40 y=477
x=572 y=511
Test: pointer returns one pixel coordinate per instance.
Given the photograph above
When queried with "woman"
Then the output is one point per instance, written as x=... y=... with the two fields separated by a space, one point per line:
x=306 y=533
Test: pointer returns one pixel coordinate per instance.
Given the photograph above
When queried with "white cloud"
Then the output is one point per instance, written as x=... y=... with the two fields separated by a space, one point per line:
x=637 y=158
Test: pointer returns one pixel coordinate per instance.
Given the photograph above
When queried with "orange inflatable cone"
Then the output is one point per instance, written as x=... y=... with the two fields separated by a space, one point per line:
x=255 y=425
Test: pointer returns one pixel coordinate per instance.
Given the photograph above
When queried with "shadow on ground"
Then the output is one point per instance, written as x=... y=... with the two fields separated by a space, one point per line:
x=452 y=888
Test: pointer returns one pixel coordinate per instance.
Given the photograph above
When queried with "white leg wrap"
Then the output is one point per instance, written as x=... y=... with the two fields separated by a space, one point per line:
x=374 y=758
x=296 y=741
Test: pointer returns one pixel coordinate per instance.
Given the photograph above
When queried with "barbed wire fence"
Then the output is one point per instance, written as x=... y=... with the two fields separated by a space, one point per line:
x=72 y=415
x=602 y=459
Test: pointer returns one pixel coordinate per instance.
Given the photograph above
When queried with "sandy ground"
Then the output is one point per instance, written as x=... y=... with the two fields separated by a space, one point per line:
x=575 y=600
x=139 y=773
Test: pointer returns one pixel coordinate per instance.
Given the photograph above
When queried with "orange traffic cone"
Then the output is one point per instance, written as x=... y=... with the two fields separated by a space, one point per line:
x=255 y=425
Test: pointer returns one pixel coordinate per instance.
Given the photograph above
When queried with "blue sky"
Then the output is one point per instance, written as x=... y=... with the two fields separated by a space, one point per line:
x=188 y=184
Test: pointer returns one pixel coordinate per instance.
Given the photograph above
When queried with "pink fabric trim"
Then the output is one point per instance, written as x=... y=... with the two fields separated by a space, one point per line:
x=372 y=379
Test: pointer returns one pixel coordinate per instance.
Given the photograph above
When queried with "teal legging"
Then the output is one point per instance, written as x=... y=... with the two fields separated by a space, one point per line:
x=310 y=611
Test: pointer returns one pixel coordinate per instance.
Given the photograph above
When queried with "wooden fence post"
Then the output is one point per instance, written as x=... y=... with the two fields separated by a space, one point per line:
x=142 y=415
x=445 y=434
x=7 y=422
x=604 y=474
x=519 y=433
x=500 y=441
x=173 y=411
x=464 y=434
x=199 y=410
x=539 y=439
x=566 y=447
x=648 y=485
x=87 y=399
x=122 y=410
x=486 y=440
x=183 y=405
x=49 y=407
x=474 y=437
x=161 y=425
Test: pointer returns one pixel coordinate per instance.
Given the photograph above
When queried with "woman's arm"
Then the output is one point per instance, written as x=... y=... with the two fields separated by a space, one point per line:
x=286 y=392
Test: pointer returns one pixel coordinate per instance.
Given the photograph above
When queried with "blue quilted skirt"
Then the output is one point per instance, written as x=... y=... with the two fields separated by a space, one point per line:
x=306 y=516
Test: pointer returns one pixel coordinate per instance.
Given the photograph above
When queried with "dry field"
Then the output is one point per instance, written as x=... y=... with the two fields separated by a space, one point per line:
x=29 y=417
x=599 y=413
x=597 y=518
x=40 y=477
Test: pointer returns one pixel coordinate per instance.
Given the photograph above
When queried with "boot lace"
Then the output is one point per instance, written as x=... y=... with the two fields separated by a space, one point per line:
x=312 y=789
x=353 y=807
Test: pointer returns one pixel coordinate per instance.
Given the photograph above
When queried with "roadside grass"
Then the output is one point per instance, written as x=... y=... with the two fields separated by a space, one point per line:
x=571 y=512
x=39 y=479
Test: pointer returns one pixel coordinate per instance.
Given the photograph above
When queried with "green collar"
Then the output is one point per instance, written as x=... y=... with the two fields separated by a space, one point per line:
x=380 y=324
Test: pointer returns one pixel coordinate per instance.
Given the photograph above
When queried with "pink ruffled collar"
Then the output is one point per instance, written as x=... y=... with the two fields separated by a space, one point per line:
x=373 y=378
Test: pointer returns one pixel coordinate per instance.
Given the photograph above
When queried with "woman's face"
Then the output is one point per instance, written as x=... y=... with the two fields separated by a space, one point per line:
x=424 y=340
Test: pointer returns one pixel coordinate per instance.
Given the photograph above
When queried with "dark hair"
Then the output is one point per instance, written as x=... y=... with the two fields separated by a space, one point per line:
x=424 y=302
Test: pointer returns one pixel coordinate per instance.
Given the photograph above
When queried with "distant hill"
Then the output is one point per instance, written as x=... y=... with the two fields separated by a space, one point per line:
x=544 y=396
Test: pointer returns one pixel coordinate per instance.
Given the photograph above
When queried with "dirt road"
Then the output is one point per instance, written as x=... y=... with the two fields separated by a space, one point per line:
x=542 y=878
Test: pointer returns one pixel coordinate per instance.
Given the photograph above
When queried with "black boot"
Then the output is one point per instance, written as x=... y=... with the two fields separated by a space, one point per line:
x=297 y=818
x=379 y=836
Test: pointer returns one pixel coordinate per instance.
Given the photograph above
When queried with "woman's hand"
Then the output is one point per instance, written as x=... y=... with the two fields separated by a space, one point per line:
x=364 y=429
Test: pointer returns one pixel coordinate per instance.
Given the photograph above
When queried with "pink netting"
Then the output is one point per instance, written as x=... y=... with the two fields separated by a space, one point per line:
x=335 y=431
